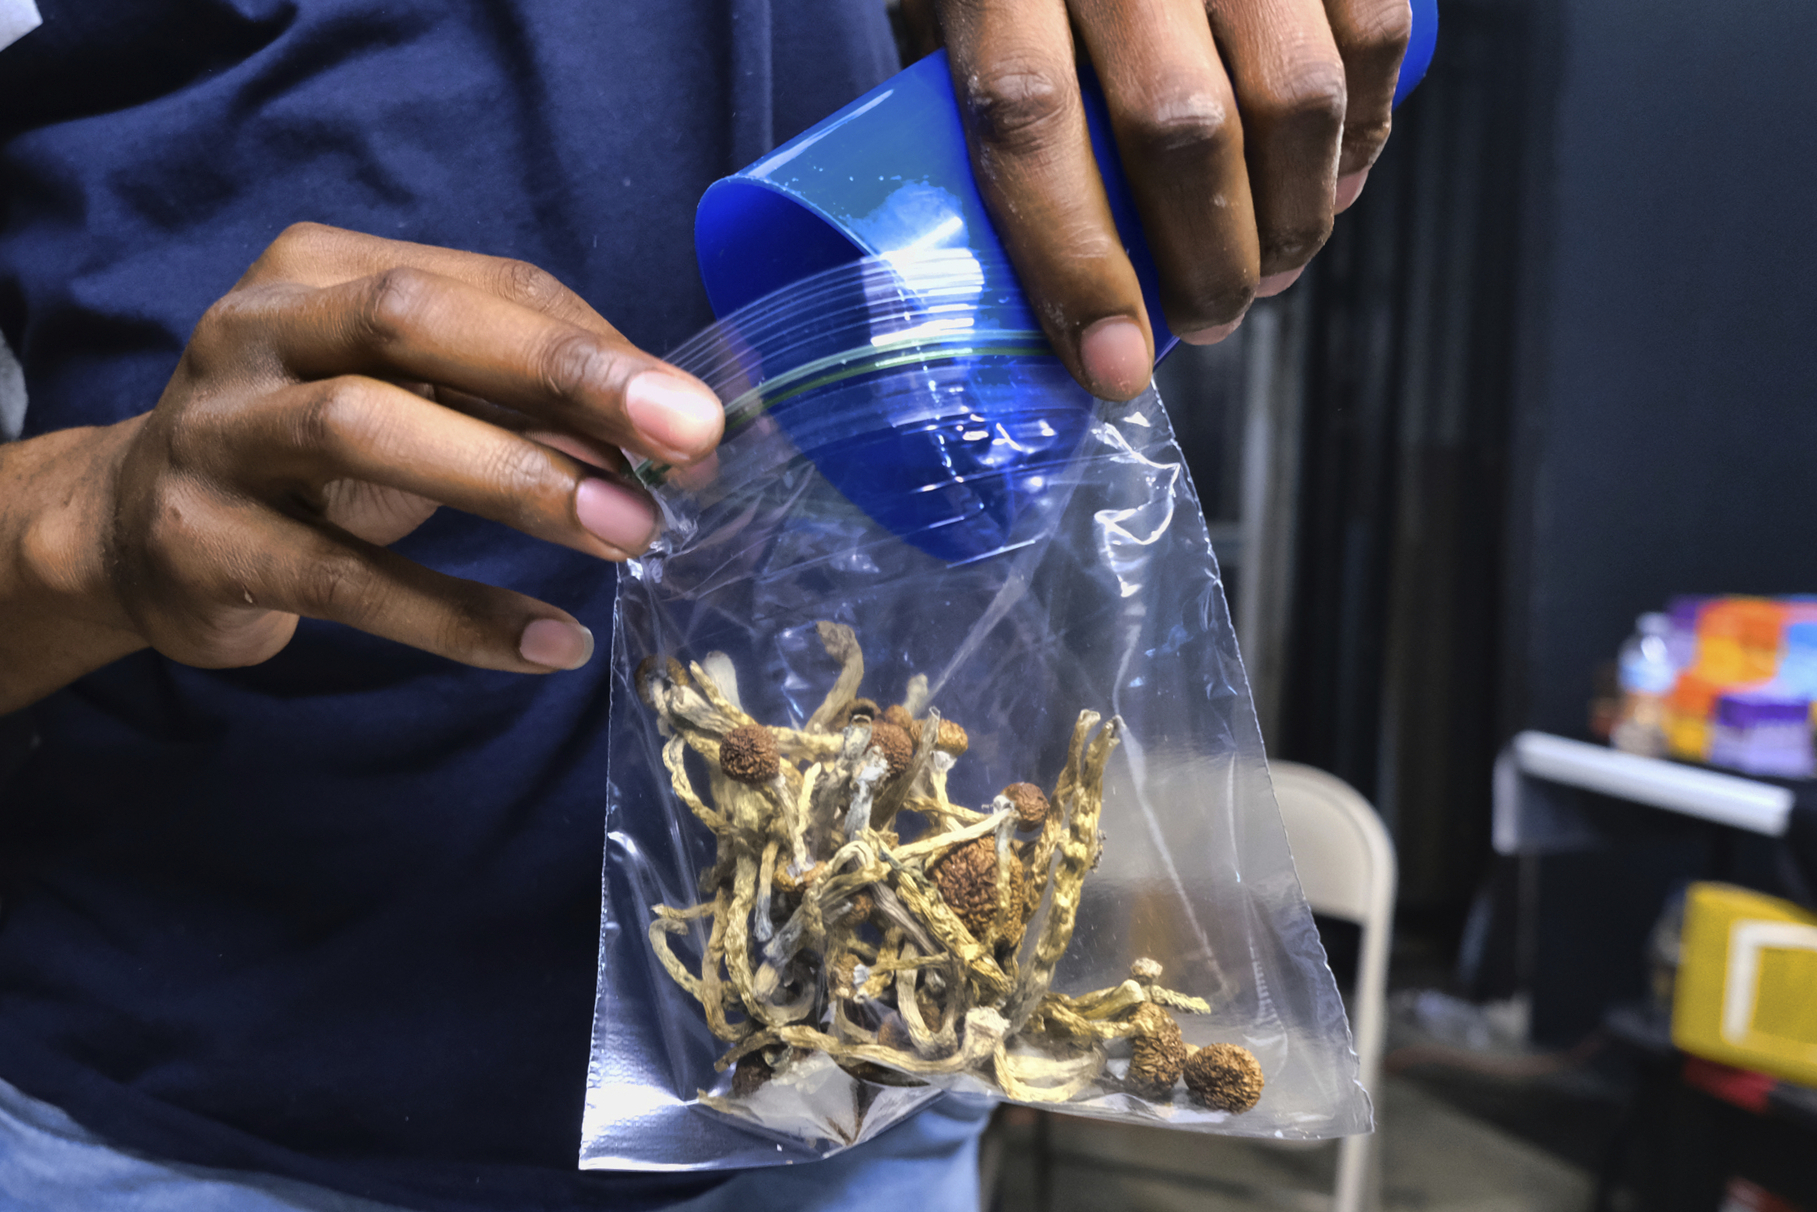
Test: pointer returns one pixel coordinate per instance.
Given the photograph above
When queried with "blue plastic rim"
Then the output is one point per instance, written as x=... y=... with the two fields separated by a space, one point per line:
x=915 y=385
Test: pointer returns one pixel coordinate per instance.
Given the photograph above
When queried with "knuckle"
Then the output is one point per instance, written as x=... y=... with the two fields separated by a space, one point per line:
x=212 y=340
x=1212 y=302
x=529 y=491
x=1183 y=124
x=520 y=473
x=187 y=441
x=524 y=283
x=294 y=246
x=394 y=302
x=567 y=363
x=168 y=529
x=1291 y=245
x=1374 y=32
x=1308 y=98
x=337 y=413
x=1018 y=106
x=302 y=236
x=1232 y=297
x=335 y=585
x=1364 y=139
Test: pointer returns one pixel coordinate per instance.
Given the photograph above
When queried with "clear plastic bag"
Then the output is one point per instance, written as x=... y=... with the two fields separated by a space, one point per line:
x=909 y=474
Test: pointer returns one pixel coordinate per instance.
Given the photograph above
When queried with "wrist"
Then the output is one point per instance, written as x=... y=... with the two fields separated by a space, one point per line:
x=56 y=530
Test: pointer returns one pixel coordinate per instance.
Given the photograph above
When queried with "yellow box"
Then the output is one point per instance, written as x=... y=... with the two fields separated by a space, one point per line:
x=1746 y=992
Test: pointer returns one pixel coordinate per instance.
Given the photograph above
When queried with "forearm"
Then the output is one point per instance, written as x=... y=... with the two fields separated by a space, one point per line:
x=59 y=617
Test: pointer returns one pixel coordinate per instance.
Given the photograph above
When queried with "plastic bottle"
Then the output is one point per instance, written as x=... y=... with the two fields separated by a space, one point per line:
x=1647 y=674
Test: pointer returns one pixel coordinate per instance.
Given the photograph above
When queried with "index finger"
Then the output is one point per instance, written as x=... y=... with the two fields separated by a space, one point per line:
x=1018 y=92
x=314 y=254
x=423 y=327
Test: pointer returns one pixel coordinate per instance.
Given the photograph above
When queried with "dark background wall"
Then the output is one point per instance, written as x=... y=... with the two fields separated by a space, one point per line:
x=1668 y=402
x=1393 y=679
x=1559 y=366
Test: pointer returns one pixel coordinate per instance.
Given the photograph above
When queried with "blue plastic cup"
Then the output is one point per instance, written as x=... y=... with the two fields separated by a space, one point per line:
x=889 y=175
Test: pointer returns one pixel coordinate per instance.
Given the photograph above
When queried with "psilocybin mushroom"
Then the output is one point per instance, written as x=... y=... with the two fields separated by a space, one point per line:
x=1225 y=1076
x=894 y=744
x=748 y=754
x=1157 y=1051
x=1029 y=802
x=967 y=879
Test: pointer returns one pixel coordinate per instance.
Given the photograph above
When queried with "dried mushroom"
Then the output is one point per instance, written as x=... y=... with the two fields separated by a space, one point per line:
x=967 y=879
x=1157 y=1054
x=1224 y=1076
x=1029 y=804
x=854 y=911
x=748 y=754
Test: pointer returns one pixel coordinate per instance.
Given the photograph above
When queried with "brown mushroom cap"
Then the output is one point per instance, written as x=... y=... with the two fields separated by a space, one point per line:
x=894 y=744
x=898 y=715
x=858 y=711
x=752 y=1072
x=1029 y=802
x=1157 y=1051
x=967 y=878
x=951 y=739
x=748 y=754
x=1224 y=1076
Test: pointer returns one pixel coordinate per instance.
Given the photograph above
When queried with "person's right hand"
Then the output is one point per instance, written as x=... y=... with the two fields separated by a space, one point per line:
x=324 y=408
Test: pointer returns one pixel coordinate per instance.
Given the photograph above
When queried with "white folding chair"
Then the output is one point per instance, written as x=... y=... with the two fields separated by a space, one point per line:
x=1346 y=865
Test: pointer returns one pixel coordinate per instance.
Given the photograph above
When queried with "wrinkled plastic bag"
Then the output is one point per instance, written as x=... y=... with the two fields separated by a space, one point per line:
x=908 y=468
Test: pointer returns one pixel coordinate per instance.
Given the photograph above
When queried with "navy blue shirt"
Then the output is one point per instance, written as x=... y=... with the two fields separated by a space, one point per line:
x=336 y=916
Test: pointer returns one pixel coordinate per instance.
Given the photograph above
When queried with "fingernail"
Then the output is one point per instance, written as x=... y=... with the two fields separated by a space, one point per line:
x=1348 y=188
x=1115 y=357
x=1212 y=335
x=555 y=644
x=615 y=514
x=1274 y=284
x=682 y=419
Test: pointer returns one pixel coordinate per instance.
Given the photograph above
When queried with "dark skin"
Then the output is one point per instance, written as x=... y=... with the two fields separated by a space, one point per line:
x=348 y=386
x=1243 y=125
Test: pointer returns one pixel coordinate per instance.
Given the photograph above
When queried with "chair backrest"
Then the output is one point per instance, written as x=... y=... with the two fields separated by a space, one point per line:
x=1341 y=850
x=1347 y=869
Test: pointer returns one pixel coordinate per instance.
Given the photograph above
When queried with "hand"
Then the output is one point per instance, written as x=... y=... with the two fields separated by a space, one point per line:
x=1243 y=126
x=343 y=390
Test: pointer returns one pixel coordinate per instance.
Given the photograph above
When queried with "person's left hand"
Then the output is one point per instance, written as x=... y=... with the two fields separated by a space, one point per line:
x=1243 y=126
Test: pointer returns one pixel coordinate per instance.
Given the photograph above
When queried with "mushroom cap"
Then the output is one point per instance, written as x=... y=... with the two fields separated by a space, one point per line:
x=1157 y=1051
x=1029 y=802
x=967 y=878
x=748 y=754
x=951 y=739
x=894 y=744
x=750 y=1074
x=1224 y=1076
x=898 y=715
x=858 y=711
